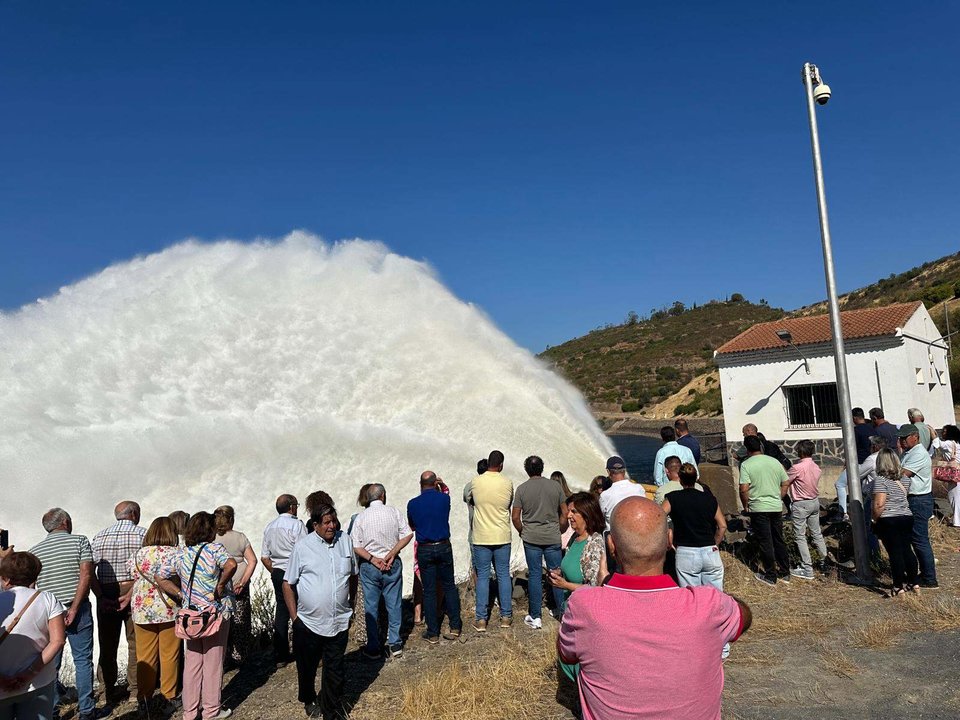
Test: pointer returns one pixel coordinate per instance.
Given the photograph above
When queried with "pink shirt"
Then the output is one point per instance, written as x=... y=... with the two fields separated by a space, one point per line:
x=619 y=631
x=804 y=480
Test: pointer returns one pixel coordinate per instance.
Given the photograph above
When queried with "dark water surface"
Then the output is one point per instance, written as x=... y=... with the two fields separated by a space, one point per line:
x=638 y=452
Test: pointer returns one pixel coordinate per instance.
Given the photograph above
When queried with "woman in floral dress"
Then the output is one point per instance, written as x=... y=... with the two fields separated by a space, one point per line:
x=158 y=648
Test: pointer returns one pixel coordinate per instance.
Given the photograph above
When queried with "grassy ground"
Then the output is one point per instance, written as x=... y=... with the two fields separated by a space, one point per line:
x=819 y=649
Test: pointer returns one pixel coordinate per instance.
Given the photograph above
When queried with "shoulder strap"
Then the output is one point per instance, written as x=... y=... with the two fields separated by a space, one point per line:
x=9 y=629
x=193 y=571
x=153 y=581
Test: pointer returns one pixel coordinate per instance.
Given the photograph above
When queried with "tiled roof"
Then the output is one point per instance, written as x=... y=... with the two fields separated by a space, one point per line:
x=869 y=322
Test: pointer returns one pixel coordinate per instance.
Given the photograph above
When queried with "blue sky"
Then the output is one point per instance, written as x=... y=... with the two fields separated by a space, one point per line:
x=558 y=163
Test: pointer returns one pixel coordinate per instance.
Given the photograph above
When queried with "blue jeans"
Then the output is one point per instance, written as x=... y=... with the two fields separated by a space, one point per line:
x=499 y=555
x=841 y=486
x=34 y=704
x=922 y=508
x=699 y=566
x=535 y=555
x=436 y=563
x=80 y=637
x=389 y=585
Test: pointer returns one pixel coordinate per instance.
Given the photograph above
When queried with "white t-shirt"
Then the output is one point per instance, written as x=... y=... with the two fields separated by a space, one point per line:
x=28 y=639
x=620 y=490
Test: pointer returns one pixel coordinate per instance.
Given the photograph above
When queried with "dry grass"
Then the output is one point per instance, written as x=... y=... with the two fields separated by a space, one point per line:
x=837 y=662
x=498 y=685
x=877 y=634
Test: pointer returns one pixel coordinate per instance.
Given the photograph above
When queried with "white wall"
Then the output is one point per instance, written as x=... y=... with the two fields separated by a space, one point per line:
x=934 y=399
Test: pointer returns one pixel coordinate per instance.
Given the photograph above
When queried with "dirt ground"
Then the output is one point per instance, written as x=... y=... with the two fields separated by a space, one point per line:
x=821 y=649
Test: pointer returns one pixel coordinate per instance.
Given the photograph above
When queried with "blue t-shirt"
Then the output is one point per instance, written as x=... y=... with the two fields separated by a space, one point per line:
x=690 y=442
x=429 y=515
x=863 y=432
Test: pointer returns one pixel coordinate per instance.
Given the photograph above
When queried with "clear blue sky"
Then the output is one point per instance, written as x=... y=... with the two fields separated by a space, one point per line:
x=558 y=163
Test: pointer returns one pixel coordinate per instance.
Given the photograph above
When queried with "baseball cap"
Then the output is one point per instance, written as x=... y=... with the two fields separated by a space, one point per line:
x=908 y=430
x=616 y=463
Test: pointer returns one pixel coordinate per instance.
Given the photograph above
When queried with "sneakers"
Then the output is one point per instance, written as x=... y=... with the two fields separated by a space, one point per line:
x=506 y=622
x=452 y=635
x=368 y=654
x=802 y=573
x=396 y=650
x=432 y=639
x=785 y=578
x=929 y=586
x=312 y=710
x=223 y=714
x=764 y=579
x=480 y=625
x=531 y=622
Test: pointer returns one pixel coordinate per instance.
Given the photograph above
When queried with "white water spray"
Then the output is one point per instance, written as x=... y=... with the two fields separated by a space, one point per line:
x=228 y=373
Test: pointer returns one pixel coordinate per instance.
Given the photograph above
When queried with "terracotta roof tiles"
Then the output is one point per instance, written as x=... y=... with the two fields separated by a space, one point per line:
x=869 y=322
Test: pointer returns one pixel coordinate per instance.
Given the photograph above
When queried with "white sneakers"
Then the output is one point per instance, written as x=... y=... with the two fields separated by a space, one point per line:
x=535 y=623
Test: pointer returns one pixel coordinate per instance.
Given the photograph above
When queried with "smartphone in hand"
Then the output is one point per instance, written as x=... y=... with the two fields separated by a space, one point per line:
x=4 y=539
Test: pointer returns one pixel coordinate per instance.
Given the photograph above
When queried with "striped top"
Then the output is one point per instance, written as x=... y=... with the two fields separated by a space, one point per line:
x=209 y=566
x=61 y=554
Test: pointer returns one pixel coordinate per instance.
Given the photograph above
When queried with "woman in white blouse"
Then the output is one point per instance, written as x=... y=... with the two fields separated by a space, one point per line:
x=32 y=635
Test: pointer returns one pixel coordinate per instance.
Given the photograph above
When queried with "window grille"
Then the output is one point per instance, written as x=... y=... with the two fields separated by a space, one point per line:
x=813 y=406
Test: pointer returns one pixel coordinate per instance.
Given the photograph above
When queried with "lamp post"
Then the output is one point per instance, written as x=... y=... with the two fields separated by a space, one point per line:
x=818 y=92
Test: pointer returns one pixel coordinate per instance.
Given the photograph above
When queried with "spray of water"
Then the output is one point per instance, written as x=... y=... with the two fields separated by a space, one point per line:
x=231 y=372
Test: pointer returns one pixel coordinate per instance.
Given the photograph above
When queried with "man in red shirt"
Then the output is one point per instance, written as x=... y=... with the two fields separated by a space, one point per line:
x=641 y=618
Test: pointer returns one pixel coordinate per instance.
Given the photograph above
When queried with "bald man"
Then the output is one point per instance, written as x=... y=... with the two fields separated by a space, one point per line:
x=770 y=448
x=682 y=631
x=113 y=548
x=279 y=537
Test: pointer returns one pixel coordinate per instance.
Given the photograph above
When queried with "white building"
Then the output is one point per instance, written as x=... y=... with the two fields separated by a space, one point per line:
x=896 y=359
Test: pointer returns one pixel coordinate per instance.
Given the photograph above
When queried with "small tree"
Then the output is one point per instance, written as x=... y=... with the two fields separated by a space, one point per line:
x=737 y=298
x=632 y=318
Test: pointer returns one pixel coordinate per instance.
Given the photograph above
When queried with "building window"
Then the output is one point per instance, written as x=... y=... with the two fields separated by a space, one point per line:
x=813 y=406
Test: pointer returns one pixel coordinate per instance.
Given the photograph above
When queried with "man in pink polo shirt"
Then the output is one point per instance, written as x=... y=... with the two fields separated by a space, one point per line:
x=803 y=486
x=640 y=618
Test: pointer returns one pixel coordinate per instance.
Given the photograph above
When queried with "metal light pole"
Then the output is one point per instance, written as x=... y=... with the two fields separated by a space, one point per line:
x=861 y=551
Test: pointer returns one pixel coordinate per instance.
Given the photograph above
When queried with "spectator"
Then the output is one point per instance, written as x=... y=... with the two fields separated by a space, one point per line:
x=803 y=487
x=316 y=499
x=926 y=432
x=441 y=486
x=686 y=439
x=492 y=496
x=360 y=628
x=428 y=515
x=211 y=569
x=917 y=466
x=596 y=485
x=868 y=475
x=698 y=527
x=761 y=478
x=320 y=571
x=379 y=534
x=153 y=613
x=770 y=448
x=620 y=487
x=673 y=468
x=862 y=431
x=113 y=549
x=31 y=638
x=67 y=572
x=561 y=479
x=949 y=448
x=540 y=516
x=238 y=547
x=279 y=537
x=685 y=627
x=670 y=447
x=894 y=520
x=180 y=519
x=884 y=429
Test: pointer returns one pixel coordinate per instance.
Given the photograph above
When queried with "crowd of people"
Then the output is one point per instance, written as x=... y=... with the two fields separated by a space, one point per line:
x=179 y=589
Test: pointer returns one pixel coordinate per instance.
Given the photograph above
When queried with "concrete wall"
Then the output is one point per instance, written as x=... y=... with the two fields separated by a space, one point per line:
x=933 y=395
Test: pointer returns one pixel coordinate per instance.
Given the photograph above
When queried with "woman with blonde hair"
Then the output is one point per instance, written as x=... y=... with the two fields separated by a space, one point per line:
x=153 y=612
x=894 y=521
x=238 y=547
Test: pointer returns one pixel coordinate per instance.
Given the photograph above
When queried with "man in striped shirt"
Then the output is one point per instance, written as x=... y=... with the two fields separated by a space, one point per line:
x=67 y=573
x=113 y=547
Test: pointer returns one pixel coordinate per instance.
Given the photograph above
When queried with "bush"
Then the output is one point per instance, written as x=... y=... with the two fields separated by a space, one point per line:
x=630 y=406
x=708 y=403
x=937 y=294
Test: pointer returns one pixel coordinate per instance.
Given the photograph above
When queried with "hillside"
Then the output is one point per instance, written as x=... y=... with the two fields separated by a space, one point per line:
x=663 y=364
x=643 y=361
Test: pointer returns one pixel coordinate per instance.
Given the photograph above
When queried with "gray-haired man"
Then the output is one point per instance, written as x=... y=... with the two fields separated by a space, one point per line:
x=67 y=573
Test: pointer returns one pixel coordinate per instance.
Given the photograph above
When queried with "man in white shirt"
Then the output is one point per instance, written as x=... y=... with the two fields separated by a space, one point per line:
x=320 y=568
x=279 y=537
x=379 y=534
x=670 y=448
x=620 y=487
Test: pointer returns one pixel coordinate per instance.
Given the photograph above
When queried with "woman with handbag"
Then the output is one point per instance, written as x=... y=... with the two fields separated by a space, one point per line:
x=946 y=466
x=32 y=635
x=894 y=521
x=153 y=611
x=204 y=569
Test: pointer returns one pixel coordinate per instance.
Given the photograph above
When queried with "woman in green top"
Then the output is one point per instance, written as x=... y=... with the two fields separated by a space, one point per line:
x=585 y=562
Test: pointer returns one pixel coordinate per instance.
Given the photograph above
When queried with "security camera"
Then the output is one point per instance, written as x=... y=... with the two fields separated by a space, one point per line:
x=821 y=93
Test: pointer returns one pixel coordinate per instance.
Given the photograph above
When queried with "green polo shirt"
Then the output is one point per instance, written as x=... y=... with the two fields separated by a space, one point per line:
x=763 y=474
